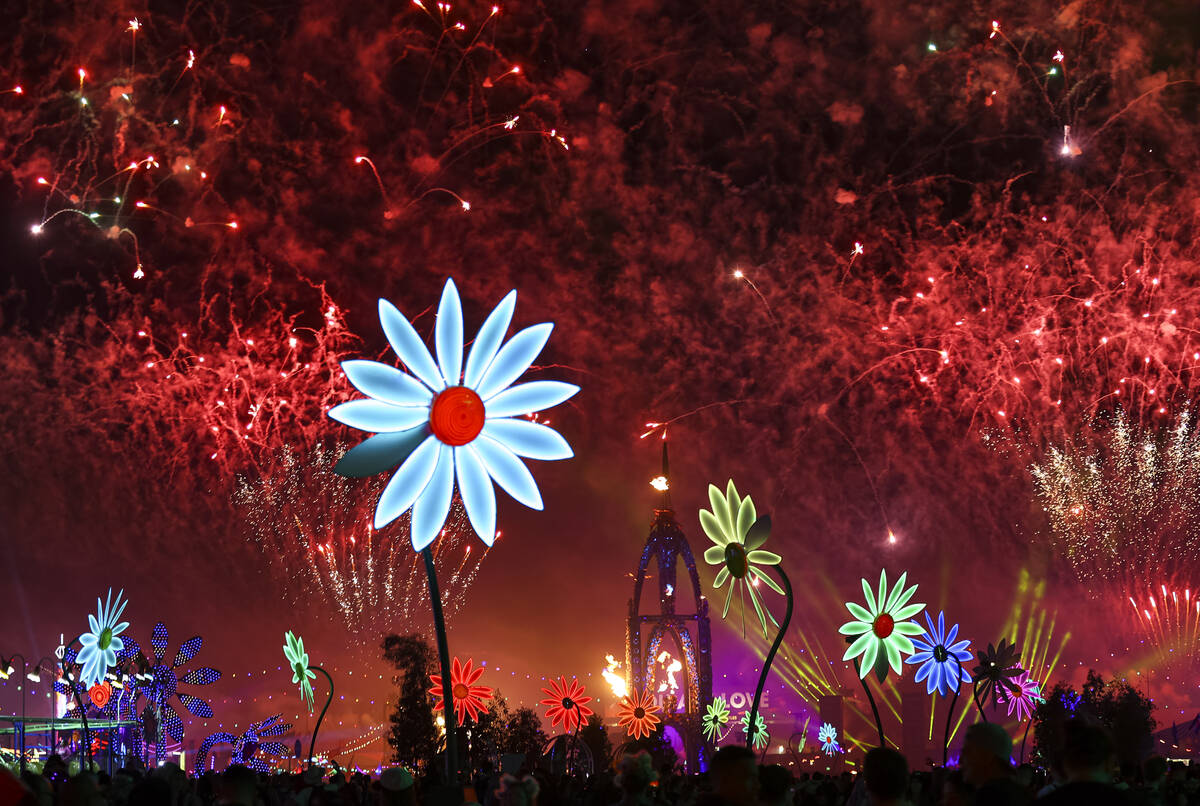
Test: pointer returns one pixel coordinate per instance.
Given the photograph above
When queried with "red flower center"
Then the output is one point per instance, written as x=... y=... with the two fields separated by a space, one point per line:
x=457 y=415
x=639 y=713
x=883 y=626
x=460 y=691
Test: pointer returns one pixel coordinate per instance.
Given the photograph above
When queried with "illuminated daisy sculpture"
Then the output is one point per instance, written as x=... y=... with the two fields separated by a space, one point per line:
x=759 y=736
x=297 y=658
x=1025 y=699
x=736 y=549
x=994 y=674
x=941 y=657
x=638 y=714
x=469 y=698
x=448 y=421
x=827 y=735
x=738 y=533
x=566 y=704
x=100 y=643
x=716 y=717
x=881 y=630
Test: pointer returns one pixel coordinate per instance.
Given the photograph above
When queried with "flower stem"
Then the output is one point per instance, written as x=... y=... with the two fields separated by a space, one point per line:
x=313 y=744
x=1024 y=737
x=751 y=726
x=975 y=696
x=958 y=681
x=439 y=626
x=870 y=699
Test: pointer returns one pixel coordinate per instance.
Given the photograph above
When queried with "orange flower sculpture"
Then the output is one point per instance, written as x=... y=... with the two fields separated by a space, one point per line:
x=638 y=714
x=468 y=697
x=567 y=704
x=100 y=694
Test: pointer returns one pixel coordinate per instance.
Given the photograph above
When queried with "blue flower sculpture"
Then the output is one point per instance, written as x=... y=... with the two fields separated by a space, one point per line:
x=941 y=657
x=448 y=422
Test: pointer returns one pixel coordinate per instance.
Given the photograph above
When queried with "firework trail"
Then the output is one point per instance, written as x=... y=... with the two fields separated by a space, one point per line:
x=312 y=529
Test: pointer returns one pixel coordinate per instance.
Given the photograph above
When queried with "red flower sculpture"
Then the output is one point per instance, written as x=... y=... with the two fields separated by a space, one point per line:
x=638 y=714
x=100 y=694
x=567 y=704
x=468 y=697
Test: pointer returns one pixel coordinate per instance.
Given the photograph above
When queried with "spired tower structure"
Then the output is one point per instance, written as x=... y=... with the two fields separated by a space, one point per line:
x=674 y=620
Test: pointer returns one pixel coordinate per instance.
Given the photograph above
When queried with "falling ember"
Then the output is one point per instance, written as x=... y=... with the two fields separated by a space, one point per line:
x=660 y=483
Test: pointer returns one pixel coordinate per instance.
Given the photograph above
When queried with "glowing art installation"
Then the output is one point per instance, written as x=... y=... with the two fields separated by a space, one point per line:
x=100 y=643
x=638 y=714
x=297 y=658
x=566 y=704
x=994 y=674
x=469 y=698
x=827 y=735
x=448 y=421
x=882 y=630
x=735 y=550
x=100 y=694
x=941 y=658
x=249 y=749
x=759 y=736
x=716 y=717
x=1025 y=698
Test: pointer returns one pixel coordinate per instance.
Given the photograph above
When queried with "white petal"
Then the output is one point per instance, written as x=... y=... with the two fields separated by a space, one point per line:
x=526 y=398
x=433 y=505
x=448 y=334
x=508 y=471
x=379 y=417
x=487 y=341
x=513 y=359
x=478 y=497
x=407 y=484
x=528 y=439
x=386 y=383
x=408 y=346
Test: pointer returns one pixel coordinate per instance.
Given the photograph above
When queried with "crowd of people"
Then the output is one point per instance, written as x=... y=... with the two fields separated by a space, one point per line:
x=1084 y=773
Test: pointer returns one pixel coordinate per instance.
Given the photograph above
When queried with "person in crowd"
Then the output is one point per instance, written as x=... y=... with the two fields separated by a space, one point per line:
x=636 y=775
x=987 y=767
x=885 y=776
x=774 y=786
x=1087 y=757
x=734 y=776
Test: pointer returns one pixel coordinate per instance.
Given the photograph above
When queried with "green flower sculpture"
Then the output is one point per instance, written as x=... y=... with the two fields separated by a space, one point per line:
x=760 y=735
x=715 y=719
x=882 y=627
x=736 y=546
x=297 y=658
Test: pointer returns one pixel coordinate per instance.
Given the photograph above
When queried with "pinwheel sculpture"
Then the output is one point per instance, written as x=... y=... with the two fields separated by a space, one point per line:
x=451 y=423
x=738 y=534
x=302 y=672
x=880 y=633
x=250 y=749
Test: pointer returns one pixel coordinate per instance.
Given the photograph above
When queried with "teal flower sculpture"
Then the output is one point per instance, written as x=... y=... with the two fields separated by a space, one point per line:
x=101 y=643
x=449 y=421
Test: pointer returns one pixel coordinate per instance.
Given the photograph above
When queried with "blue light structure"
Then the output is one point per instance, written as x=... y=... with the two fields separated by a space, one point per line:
x=940 y=657
x=249 y=749
x=100 y=643
x=446 y=421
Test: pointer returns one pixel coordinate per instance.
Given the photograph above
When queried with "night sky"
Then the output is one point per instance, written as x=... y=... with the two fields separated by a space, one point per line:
x=871 y=262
